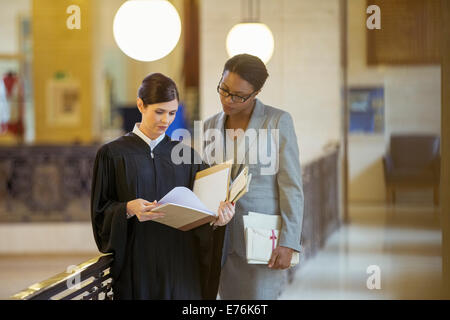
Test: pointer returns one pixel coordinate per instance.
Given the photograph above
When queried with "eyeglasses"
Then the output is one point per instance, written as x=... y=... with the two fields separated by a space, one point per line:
x=234 y=97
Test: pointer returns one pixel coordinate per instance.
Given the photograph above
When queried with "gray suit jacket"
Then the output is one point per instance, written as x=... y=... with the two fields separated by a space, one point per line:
x=276 y=185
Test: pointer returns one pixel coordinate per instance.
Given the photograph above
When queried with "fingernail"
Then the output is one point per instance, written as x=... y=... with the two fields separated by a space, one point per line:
x=232 y=203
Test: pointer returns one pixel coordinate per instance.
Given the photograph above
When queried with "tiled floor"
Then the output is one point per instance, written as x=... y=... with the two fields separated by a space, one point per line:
x=405 y=243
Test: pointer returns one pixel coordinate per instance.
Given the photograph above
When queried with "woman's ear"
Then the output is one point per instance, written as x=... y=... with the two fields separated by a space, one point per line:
x=140 y=104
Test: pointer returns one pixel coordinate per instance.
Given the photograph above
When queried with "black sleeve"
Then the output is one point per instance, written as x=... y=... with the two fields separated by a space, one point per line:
x=209 y=243
x=108 y=215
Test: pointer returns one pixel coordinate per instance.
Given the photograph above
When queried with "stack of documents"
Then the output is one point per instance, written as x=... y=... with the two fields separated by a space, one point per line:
x=185 y=209
x=211 y=185
x=240 y=185
x=262 y=233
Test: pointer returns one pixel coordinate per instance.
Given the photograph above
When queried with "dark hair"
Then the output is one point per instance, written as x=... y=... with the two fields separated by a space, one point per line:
x=249 y=68
x=157 y=88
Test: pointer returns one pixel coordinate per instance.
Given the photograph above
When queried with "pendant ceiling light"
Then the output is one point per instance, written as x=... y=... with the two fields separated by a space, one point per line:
x=147 y=30
x=251 y=36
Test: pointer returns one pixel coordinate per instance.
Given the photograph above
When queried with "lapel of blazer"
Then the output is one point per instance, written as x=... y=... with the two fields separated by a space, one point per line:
x=255 y=123
x=218 y=124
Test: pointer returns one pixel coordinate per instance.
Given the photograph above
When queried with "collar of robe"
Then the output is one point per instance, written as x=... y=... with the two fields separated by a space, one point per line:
x=162 y=152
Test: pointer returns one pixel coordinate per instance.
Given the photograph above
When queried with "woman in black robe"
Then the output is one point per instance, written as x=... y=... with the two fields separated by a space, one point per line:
x=151 y=260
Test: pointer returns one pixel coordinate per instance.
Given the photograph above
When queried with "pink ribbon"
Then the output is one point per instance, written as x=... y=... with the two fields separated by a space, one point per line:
x=273 y=238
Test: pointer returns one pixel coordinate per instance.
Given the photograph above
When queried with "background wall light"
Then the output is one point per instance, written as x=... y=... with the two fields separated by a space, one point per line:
x=251 y=36
x=147 y=30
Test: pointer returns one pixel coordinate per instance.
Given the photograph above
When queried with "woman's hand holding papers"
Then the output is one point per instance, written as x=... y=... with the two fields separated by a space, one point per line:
x=224 y=214
x=142 y=210
x=281 y=258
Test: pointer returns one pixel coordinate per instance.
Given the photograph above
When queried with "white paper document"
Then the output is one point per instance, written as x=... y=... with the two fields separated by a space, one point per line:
x=184 y=197
x=262 y=233
x=185 y=209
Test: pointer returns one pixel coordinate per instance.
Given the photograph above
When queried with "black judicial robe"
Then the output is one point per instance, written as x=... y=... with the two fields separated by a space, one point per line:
x=151 y=260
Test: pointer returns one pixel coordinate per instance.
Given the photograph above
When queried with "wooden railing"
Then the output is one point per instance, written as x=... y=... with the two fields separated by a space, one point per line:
x=321 y=212
x=92 y=280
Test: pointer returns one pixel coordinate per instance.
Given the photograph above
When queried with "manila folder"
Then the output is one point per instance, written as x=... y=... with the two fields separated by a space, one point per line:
x=183 y=210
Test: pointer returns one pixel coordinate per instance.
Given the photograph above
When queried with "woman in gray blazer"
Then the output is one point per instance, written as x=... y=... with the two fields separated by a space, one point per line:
x=262 y=137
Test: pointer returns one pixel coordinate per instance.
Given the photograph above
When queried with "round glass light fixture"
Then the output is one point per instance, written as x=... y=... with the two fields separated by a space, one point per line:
x=252 y=38
x=147 y=30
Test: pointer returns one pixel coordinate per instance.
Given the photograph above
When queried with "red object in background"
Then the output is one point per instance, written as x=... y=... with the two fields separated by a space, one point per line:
x=10 y=79
x=14 y=96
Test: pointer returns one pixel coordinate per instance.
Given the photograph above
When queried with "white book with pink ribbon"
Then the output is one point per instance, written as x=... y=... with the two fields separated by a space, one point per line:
x=262 y=233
